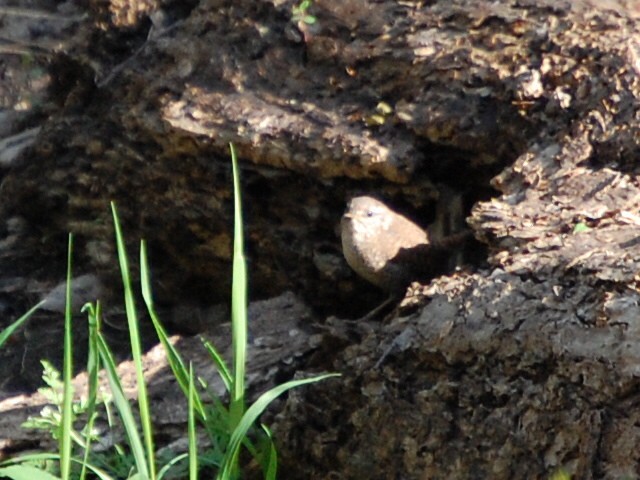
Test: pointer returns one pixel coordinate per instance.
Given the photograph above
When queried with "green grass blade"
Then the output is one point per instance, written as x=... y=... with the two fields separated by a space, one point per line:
x=220 y=364
x=166 y=467
x=238 y=302
x=38 y=457
x=271 y=469
x=7 y=332
x=218 y=425
x=252 y=414
x=191 y=428
x=123 y=407
x=136 y=350
x=173 y=357
x=93 y=369
x=66 y=423
x=26 y=472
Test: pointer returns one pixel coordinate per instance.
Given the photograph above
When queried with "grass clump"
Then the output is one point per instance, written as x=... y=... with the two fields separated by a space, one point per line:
x=229 y=427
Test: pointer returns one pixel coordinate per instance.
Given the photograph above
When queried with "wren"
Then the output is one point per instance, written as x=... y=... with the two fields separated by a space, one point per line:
x=389 y=250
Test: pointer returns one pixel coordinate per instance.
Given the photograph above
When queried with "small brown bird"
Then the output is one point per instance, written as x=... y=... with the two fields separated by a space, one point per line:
x=389 y=250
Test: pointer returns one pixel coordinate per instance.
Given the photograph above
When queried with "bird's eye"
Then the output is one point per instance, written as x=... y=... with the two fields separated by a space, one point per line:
x=369 y=213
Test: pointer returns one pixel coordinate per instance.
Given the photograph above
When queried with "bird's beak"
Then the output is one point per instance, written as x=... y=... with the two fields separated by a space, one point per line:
x=347 y=215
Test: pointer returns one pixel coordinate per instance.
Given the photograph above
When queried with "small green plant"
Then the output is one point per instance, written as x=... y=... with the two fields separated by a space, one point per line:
x=581 y=227
x=229 y=427
x=50 y=418
x=300 y=13
x=560 y=474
